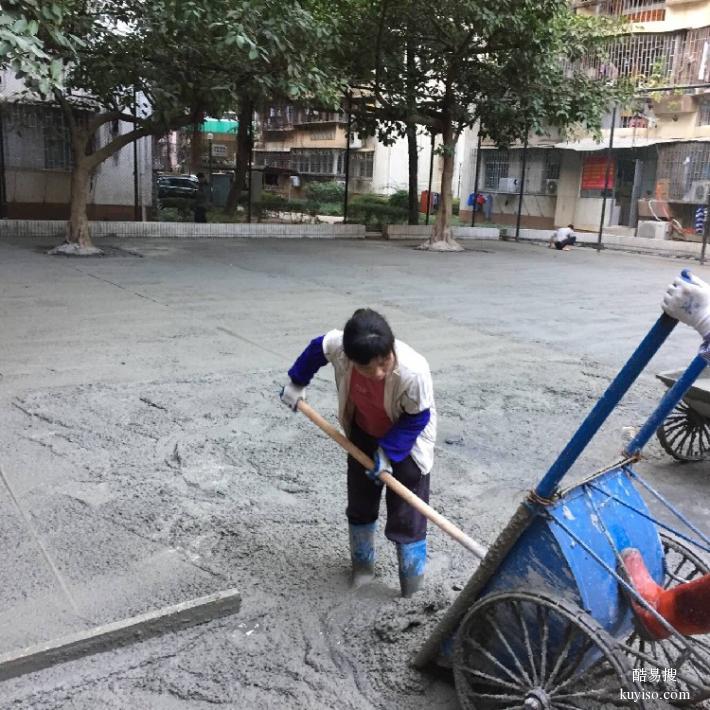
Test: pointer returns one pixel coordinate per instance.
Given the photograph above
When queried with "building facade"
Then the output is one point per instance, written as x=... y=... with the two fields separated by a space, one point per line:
x=659 y=163
x=36 y=161
x=296 y=145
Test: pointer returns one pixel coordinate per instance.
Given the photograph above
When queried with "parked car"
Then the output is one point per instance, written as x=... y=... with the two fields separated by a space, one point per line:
x=177 y=186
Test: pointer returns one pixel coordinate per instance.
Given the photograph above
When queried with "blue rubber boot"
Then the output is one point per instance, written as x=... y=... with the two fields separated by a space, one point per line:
x=362 y=553
x=412 y=563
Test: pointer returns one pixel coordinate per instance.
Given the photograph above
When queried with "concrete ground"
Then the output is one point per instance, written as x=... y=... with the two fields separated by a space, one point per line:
x=142 y=438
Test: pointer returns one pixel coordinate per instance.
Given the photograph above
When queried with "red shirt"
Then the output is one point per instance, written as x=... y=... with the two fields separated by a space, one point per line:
x=368 y=396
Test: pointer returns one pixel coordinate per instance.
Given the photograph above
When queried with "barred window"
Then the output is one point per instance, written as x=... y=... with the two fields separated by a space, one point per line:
x=36 y=137
x=704 y=113
x=681 y=168
x=552 y=165
x=639 y=10
x=496 y=163
x=272 y=159
x=361 y=165
x=317 y=162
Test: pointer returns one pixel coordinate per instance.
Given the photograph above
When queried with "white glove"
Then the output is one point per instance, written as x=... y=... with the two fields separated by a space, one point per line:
x=689 y=302
x=291 y=394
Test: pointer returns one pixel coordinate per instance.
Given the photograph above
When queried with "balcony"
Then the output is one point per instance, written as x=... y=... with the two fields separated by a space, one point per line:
x=276 y=123
x=309 y=116
x=631 y=10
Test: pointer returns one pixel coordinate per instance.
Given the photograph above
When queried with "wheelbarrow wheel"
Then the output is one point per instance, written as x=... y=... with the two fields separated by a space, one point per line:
x=685 y=434
x=691 y=671
x=537 y=652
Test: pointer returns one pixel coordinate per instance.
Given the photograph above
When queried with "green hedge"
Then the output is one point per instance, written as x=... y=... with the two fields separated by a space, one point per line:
x=375 y=212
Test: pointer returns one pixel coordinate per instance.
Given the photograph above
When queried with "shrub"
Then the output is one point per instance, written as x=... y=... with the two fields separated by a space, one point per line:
x=319 y=192
x=455 y=204
x=182 y=206
x=400 y=199
x=376 y=213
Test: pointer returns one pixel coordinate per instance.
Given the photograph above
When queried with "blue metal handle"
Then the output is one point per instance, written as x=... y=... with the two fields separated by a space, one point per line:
x=605 y=406
x=666 y=405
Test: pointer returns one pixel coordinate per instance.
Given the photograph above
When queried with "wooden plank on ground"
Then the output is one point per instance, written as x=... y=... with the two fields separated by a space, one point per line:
x=119 y=633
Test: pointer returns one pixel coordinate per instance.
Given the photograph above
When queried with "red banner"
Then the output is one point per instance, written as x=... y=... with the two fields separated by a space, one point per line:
x=594 y=172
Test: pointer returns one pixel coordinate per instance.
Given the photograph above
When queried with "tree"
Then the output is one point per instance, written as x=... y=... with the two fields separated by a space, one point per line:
x=280 y=52
x=511 y=65
x=158 y=66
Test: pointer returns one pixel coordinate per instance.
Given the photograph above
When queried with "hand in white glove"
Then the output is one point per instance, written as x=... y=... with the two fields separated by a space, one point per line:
x=382 y=465
x=291 y=394
x=689 y=302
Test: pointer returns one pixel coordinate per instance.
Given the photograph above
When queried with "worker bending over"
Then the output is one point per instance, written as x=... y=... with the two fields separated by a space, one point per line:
x=386 y=408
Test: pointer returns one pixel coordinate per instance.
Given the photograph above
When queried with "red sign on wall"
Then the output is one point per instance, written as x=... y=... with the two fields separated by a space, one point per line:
x=594 y=172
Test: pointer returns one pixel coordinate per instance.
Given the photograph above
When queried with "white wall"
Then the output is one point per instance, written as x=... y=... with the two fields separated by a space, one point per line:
x=391 y=166
x=113 y=180
x=568 y=187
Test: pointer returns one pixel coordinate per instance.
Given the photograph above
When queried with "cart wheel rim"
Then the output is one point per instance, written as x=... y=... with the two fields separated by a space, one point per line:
x=685 y=434
x=536 y=652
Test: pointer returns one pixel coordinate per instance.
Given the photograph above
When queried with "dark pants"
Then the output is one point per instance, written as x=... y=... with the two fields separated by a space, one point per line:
x=200 y=214
x=568 y=241
x=404 y=524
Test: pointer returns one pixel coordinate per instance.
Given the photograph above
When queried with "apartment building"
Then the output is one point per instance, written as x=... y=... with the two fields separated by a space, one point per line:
x=296 y=145
x=660 y=158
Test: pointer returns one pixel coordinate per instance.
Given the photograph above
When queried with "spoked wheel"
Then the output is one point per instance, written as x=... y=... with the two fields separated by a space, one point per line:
x=519 y=650
x=685 y=434
x=689 y=670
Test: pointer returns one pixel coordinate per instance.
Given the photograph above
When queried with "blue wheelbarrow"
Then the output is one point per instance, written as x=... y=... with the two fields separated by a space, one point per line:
x=545 y=623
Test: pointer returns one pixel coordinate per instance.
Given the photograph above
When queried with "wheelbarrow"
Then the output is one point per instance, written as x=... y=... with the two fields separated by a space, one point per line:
x=544 y=622
x=685 y=434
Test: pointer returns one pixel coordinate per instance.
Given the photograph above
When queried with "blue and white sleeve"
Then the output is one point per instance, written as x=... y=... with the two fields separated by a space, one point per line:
x=397 y=443
x=308 y=363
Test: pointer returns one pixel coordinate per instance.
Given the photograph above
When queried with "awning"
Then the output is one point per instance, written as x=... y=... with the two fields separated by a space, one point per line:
x=589 y=145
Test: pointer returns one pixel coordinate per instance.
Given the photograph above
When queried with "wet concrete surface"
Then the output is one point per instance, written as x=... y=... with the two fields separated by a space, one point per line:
x=141 y=435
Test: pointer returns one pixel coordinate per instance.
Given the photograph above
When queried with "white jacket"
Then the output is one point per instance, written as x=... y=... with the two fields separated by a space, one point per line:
x=408 y=388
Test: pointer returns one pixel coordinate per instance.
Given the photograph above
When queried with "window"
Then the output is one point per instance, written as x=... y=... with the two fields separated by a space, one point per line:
x=680 y=168
x=36 y=137
x=552 y=165
x=361 y=165
x=323 y=134
x=272 y=159
x=495 y=167
x=317 y=162
x=704 y=113
x=639 y=10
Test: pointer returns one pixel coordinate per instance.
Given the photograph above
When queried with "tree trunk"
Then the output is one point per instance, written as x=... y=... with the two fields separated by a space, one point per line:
x=196 y=149
x=413 y=205
x=243 y=147
x=78 y=226
x=441 y=238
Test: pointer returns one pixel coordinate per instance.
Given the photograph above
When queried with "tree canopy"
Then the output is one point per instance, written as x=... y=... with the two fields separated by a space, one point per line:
x=510 y=65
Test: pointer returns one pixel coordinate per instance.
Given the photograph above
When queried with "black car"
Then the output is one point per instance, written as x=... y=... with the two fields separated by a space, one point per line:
x=178 y=186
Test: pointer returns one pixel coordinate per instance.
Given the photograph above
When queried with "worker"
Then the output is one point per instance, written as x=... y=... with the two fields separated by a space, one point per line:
x=686 y=607
x=386 y=408
x=563 y=238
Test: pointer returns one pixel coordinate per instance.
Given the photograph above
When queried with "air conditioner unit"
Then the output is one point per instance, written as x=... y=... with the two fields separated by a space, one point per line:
x=551 y=187
x=699 y=191
x=508 y=184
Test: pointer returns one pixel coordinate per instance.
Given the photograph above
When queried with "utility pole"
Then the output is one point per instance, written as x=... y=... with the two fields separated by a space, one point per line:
x=606 y=178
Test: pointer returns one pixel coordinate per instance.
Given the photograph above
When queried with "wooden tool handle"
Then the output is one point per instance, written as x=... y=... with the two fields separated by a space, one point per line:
x=392 y=483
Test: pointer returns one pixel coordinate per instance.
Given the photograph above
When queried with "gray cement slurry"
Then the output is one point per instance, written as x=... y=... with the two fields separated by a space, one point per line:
x=140 y=430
